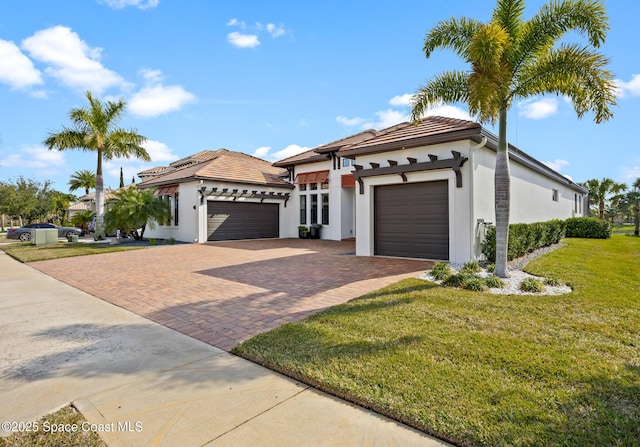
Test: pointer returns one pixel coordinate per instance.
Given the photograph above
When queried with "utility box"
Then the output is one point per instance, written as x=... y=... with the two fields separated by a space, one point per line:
x=44 y=236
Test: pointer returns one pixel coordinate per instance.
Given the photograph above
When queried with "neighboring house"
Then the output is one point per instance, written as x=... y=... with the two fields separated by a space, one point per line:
x=219 y=195
x=419 y=191
x=88 y=202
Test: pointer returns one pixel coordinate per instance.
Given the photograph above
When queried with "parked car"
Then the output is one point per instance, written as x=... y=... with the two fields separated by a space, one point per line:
x=24 y=233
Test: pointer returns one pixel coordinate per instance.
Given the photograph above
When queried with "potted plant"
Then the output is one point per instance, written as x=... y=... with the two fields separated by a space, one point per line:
x=303 y=232
x=315 y=231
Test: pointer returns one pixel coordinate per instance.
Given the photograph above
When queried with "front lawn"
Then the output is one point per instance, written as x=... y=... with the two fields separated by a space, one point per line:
x=27 y=252
x=487 y=370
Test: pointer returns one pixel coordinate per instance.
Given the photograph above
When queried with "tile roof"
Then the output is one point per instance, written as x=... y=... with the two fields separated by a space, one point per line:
x=153 y=171
x=222 y=165
x=319 y=153
x=429 y=130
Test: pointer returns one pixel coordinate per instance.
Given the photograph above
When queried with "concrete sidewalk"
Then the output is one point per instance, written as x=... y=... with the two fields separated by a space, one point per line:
x=145 y=384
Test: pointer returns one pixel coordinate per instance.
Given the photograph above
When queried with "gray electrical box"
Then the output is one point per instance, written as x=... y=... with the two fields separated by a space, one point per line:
x=44 y=236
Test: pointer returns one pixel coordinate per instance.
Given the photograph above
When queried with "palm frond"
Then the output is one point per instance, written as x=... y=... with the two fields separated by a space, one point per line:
x=454 y=34
x=575 y=71
x=554 y=20
x=66 y=139
x=447 y=87
x=508 y=15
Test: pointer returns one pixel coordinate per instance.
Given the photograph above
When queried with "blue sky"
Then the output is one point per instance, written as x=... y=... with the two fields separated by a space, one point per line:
x=269 y=79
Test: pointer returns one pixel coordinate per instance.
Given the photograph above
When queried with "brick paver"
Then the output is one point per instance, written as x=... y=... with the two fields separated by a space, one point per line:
x=226 y=292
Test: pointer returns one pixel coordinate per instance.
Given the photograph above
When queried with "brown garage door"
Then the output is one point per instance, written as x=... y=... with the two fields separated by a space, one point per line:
x=241 y=220
x=412 y=220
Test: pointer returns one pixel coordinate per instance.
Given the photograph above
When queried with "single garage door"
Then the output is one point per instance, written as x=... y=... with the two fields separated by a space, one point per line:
x=412 y=220
x=241 y=220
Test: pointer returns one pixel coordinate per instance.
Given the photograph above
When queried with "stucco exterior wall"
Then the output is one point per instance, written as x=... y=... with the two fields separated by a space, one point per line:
x=459 y=201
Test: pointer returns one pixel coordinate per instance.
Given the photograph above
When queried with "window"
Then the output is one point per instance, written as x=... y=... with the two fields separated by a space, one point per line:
x=303 y=186
x=175 y=208
x=554 y=195
x=314 y=208
x=324 y=185
x=346 y=162
x=575 y=203
x=313 y=186
x=303 y=210
x=325 y=209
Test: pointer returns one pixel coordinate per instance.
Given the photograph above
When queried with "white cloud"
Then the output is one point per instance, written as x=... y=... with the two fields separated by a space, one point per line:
x=449 y=111
x=350 y=121
x=631 y=173
x=16 y=69
x=150 y=75
x=387 y=118
x=266 y=154
x=156 y=100
x=35 y=157
x=401 y=100
x=243 y=40
x=557 y=165
x=262 y=152
x=542 y=108
x=71 y=60
x=275 y=31
x=236 y=22
x=141 y=4
x=632 y=87
x=159 y=151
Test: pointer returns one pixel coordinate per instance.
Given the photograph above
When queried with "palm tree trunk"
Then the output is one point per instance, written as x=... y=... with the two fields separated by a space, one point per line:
x=636 y=218
x=502 y=184
x=99 y=235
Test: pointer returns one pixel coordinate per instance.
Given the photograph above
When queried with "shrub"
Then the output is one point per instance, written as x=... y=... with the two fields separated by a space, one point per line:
x=531 y=285
x=588 y=227
x=171 y=241
x=471 y=267
x=476 y=284
x=524 y=238
x=458 y=279
x=494 y=282
x=152 y=241
x=553 y=282
x=490 y=268
x=440 y=271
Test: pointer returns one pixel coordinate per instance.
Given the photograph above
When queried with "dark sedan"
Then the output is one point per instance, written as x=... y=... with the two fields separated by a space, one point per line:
x=24 y=233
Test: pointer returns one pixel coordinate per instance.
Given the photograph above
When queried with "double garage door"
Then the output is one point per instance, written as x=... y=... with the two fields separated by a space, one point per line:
x=241 y=220
x=412 y=220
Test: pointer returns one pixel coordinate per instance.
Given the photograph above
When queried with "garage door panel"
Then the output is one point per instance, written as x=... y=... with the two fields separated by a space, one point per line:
x=412 y=220
x=241 y=220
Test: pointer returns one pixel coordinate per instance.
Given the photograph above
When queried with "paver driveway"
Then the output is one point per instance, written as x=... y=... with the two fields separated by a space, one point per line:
x=223 y=293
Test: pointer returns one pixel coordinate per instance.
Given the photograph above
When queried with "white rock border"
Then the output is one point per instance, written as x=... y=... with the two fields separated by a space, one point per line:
x=512 y=284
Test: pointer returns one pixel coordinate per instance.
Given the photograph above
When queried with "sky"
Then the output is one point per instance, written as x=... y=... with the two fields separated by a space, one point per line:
x=269 y=79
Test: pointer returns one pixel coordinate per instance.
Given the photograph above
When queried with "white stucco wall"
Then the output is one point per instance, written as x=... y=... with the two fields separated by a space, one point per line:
x=459 y=204
x=531 y=196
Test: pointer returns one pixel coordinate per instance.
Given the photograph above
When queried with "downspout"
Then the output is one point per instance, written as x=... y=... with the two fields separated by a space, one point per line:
x=474 y=223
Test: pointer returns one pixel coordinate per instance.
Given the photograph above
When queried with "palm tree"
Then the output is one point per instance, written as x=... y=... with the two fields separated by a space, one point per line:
x=634 y=198
x=95 y=129
x=131 y=209
x=512 y=59
x=602 y=191
x=83 y=179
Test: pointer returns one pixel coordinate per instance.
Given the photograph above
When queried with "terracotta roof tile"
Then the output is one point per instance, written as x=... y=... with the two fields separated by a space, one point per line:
x=224 y=165
x=430 y=130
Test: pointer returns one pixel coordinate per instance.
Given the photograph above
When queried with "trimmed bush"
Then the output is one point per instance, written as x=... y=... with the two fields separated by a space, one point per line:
x=471 y=267
x=440 y=271
x=588 y=227
x=531 y=285
x=494 y=282
x=458 y=279
x=476 y=284
x=524 y=238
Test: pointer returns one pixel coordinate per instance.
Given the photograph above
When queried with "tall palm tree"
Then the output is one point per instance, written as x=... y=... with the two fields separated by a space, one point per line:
x=82 y=179
x=601 y=191
x=95 y=129
x=511 y=59
x=634 y=198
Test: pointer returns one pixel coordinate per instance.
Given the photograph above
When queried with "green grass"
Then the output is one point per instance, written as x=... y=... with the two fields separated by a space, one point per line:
x=481 y=369
x=623 y=229
x=27 y=252
x=44 y=437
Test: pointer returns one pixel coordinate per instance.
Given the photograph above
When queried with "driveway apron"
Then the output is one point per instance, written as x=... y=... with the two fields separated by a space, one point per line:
x=224 y=293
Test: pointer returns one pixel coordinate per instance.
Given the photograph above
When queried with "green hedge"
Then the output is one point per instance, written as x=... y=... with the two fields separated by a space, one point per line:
x=589 y=227
x=524 y=238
